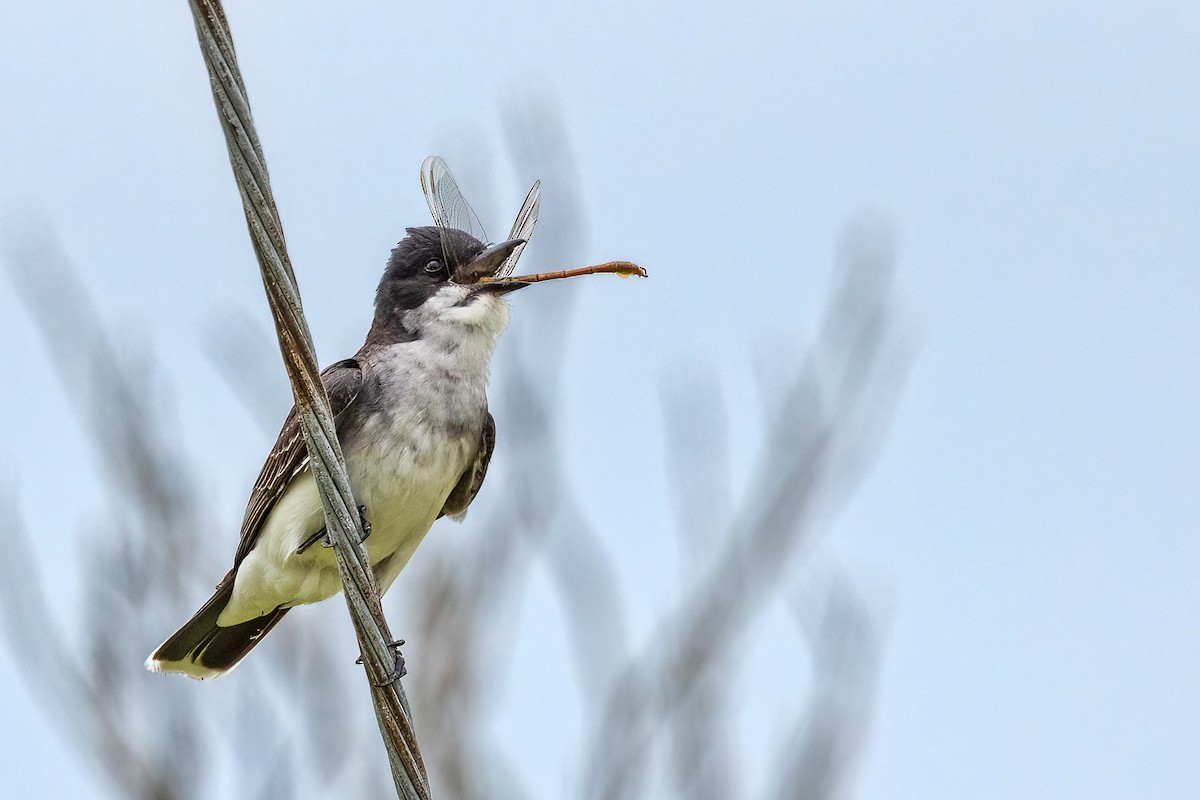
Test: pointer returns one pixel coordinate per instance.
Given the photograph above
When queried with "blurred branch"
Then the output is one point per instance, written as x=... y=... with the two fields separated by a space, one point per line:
x=541 y=502
x=238 y=347
x=817 y=758
x=312 y=405
x=148 y=735
x=806 y=443
x=84 y=678
x=78 y=697
x=702 y=765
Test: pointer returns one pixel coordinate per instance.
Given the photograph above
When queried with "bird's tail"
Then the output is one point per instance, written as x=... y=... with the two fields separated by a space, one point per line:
x=202 y=648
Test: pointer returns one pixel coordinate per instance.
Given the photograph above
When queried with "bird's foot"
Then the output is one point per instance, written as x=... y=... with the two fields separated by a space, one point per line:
x=324 y=538
x=366 y=528
x=398 y=669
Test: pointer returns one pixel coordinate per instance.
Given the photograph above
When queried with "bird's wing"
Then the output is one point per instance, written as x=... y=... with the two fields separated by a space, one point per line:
x=468 y=485
x=290 y=455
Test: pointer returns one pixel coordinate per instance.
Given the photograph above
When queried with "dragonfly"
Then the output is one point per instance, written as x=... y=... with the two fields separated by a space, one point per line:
x=452 y=212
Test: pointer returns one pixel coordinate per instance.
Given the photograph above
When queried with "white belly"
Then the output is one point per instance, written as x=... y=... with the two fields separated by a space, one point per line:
x=426 y=401
x=403 y=489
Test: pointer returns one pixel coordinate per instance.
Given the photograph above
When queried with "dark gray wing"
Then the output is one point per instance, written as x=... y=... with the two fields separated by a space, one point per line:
x=468 y=485
x=290 y=455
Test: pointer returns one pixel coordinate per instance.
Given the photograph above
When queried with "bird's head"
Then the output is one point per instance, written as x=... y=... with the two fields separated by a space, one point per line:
x=433 y=275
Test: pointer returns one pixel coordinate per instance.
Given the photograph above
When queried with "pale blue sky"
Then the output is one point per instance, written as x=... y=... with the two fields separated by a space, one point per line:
x=1032 y=527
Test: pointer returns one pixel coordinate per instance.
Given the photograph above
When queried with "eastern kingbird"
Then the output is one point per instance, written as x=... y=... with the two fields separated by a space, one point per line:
x=412 y=417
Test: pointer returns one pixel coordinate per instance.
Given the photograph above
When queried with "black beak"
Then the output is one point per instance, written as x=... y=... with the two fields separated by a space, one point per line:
x=500 y=287
x=486 y=263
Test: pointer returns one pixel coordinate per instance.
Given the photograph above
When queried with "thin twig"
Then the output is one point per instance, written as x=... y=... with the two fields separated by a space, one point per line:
x=312 y=405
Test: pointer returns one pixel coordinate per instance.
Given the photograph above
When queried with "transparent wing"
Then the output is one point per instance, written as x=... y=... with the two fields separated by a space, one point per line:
x=522 y=227
x=449 y=208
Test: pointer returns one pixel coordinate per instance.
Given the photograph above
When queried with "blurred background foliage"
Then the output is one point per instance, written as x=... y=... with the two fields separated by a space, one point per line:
x=658 y=715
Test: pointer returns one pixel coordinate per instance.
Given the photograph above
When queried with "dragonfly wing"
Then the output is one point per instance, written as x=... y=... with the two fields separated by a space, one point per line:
x=522 y=227
x=449 y=208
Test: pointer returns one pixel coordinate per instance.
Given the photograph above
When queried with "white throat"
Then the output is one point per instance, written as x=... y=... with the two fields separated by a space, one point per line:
x=455 y=308
x=463 y=321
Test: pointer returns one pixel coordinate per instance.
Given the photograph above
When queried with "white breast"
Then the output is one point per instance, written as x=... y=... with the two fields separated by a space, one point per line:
x=403 y=461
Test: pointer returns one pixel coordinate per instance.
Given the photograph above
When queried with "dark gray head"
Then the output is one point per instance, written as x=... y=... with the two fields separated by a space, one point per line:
x=425 y=261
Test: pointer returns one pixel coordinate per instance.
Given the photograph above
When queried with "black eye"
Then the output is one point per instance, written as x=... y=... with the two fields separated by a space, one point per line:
x=434 y=266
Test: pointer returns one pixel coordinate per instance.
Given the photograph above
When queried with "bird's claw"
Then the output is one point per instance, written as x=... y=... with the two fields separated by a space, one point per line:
x=326 y=540
x=366 y=528
x=398 y=669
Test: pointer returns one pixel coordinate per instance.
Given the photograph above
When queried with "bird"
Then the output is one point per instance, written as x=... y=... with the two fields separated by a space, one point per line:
x=412 y=416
